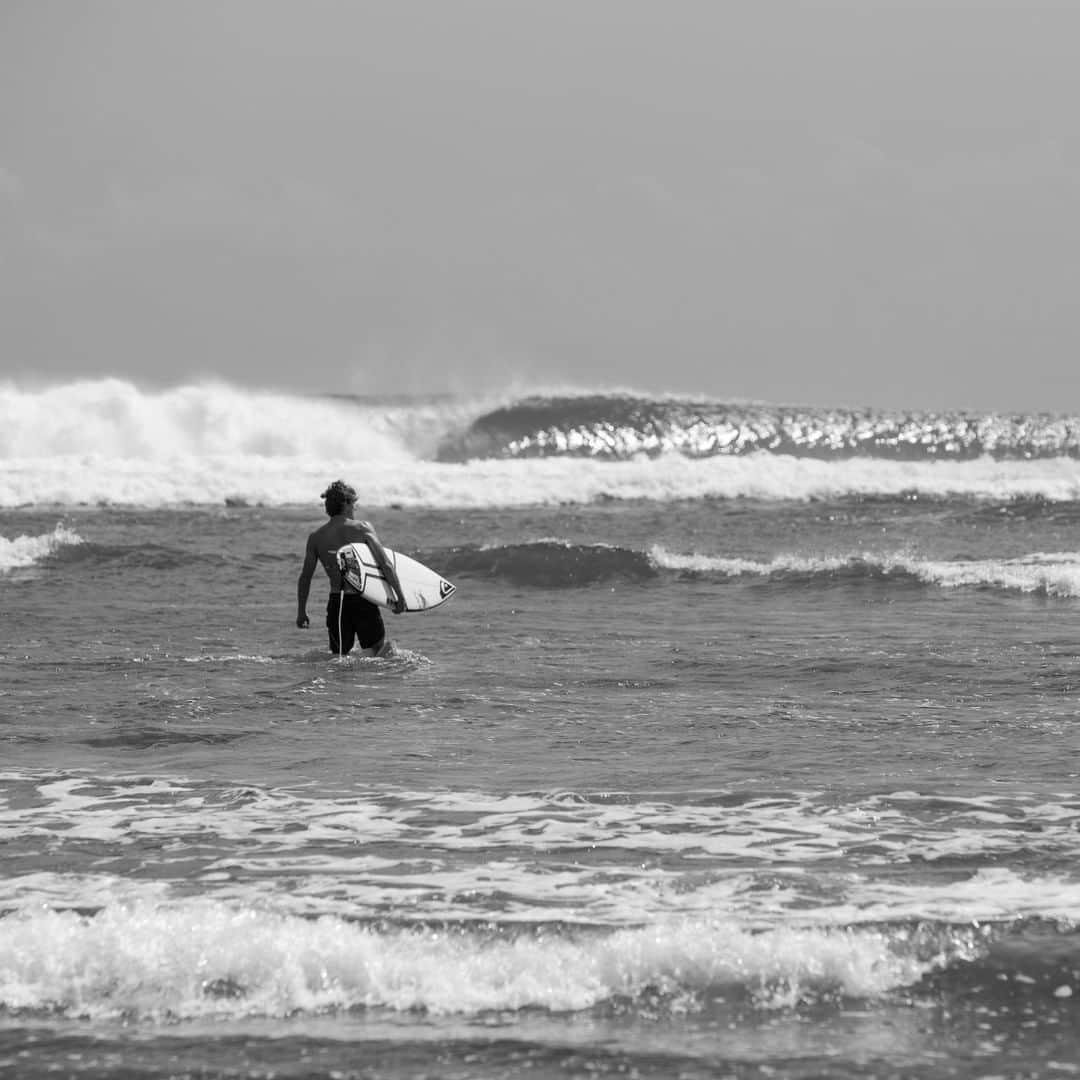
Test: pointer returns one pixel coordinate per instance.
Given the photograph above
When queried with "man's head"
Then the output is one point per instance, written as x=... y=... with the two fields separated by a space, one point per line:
x=339 y=497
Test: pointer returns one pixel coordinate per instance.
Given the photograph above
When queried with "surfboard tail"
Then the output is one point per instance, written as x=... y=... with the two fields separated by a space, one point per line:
x=352 y=569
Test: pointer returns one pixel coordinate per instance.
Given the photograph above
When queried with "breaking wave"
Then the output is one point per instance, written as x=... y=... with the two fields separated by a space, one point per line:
x=24 y=551
x=560 y=564
x=108 y=443
x=1040 y=573
x=205 y=958
x=621 y=427
x=202 y=958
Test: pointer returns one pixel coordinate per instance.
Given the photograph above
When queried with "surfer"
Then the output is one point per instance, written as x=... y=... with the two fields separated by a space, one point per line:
x=349 y=616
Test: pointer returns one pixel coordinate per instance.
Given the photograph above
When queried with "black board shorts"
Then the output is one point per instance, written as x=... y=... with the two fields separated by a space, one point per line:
x=359 y=620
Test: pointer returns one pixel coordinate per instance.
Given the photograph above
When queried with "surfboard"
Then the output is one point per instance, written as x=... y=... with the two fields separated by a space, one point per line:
x=422 y=586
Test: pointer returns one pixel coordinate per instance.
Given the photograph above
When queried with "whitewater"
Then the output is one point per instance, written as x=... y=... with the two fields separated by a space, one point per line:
x=107 y=442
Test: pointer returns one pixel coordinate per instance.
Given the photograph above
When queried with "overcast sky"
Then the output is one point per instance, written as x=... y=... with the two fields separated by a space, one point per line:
x=840 y=203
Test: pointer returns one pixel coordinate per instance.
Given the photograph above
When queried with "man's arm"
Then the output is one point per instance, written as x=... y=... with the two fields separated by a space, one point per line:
x=303 y=583
x=385 y=565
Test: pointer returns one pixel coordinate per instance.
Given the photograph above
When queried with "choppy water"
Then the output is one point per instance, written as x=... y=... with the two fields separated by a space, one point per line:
x=756 y=764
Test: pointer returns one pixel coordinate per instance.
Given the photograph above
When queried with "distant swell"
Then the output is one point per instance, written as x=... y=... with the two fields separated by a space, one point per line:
x=548 y=563
x=554 y=564
x=617 y=427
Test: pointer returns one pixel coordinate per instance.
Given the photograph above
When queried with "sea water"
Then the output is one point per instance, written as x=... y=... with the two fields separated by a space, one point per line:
x=747 y=746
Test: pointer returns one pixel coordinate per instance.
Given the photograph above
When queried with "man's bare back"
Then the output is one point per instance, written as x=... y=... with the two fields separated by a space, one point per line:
x=328 y=539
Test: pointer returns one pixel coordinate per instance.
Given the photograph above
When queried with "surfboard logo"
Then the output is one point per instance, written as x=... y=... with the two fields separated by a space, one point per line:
x=445 y=589
x=352 y=569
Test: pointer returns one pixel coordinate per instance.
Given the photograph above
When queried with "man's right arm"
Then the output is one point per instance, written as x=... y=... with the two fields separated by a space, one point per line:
x=303 y=583
x=385 y=566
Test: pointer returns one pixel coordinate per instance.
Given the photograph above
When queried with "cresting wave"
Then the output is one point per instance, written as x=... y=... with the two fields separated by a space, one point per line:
x=1045 y=574
x=201 y=958
x=108 y=443
x=25 y=551
x=618 y=427
x=195 y=959
x=115 y=420
x=557 y=564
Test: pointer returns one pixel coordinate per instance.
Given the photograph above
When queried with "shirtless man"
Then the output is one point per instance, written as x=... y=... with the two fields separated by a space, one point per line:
x=346 y=610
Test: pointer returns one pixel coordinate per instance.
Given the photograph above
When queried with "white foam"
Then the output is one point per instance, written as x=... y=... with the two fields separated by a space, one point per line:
x=114 y=421
x=990 y=895
x=23 y=551
x=1056 y=574
x=197 y=958
x=208 y=479
x=108 y=442
x=1052 y=573
x=763 y=909
x=471 y=856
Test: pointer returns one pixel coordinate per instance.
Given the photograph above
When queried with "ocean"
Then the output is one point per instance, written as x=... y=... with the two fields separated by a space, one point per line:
x=746 y=748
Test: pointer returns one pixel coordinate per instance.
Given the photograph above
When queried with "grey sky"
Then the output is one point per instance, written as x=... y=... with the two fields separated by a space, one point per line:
x=860 y=202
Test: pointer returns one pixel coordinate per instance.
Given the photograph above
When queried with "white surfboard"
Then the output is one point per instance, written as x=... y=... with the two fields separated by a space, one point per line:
x=423 y=588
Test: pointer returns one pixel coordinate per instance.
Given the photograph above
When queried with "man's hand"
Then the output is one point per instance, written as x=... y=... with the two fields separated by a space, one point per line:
x=302 y=622
x=399 y=606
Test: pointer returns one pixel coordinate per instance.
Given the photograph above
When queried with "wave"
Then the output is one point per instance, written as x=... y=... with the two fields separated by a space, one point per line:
x=618 y=427
x=1040 y=573
x=107 y=443
x=202 y=958
x=26 y=551
x=455 y=911
x=548 y=563
x=115 y=419
x=248 y=482
x=198 y=958
x=560 y=564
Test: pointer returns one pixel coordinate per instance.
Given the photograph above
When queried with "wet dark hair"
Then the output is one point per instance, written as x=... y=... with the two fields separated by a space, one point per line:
x=338 y=495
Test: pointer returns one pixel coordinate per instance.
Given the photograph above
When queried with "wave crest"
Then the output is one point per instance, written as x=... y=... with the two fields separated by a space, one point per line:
x=108 y=443
x=25 y=551
x=198 y=959
x=1040 y=573
x=618 y=427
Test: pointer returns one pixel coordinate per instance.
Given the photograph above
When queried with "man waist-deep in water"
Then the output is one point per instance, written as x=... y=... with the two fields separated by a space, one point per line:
x=350 y=617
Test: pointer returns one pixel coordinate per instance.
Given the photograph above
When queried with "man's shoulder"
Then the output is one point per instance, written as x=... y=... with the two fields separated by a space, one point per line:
x=325 y=538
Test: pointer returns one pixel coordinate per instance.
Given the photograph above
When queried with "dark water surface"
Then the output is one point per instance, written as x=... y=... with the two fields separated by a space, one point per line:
x=694 y=788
